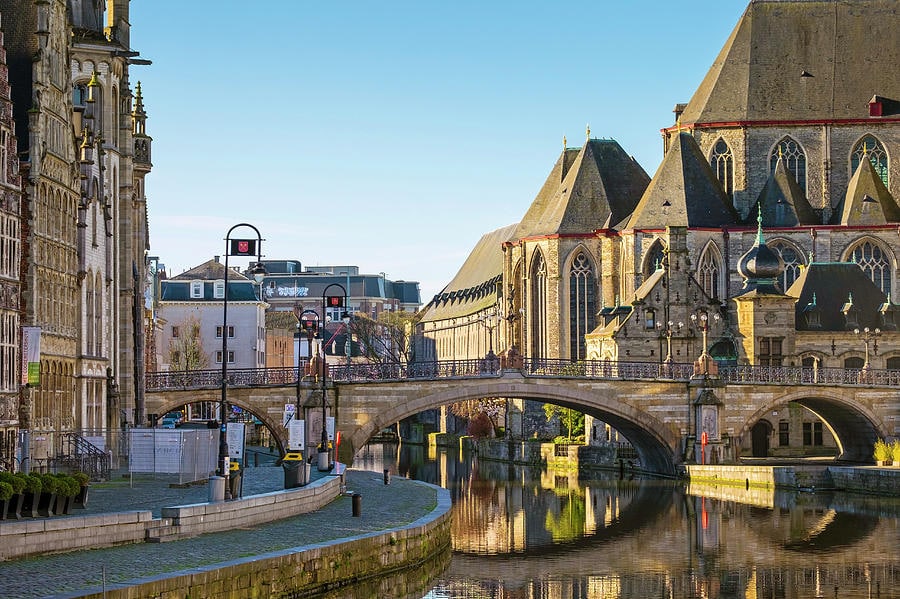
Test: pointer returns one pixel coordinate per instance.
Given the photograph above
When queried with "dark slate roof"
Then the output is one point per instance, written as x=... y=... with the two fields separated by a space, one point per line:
x=210 y=270
x=783 y=202
x=867 y=202
x=799 y=60
x=174 y=290
x=474 y=286
x=684 y=192
x=19 y=24
x=823 y=280
x=589 y=188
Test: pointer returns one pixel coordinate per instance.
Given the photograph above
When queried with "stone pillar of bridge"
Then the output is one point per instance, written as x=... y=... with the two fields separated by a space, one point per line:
x=708 y=443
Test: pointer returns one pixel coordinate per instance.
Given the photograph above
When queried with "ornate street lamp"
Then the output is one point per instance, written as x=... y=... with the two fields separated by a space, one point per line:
x=333 y=302
x=233 y=247
x=869 y=336
x=307 y=322
x=670 y=329
x=705 y=364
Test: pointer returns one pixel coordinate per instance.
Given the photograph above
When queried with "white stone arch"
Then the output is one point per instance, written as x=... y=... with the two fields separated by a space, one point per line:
x=721 y=159
x=654 y=257
x=585 y=296
x=795 y=156
x=876 y=259
x=794 y=259
x=879 y=150
x=710 y=273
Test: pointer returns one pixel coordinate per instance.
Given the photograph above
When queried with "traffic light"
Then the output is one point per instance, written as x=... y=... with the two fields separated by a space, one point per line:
x=243 y=247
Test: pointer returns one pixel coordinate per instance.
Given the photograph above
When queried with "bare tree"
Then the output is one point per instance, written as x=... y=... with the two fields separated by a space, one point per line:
x=186 y=352
x=387 y=339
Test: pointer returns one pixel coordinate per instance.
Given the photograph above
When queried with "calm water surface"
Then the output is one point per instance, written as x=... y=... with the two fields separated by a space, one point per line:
x=539 y=534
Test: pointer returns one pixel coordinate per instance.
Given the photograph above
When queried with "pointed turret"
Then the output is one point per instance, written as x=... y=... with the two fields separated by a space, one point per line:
x=868 y=202
x=142 y=141
x=760 y=266
x=684 y=192
x=783 y=202
x=600 y=184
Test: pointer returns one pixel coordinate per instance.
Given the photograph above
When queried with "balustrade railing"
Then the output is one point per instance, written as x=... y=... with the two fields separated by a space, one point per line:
x=593 y=369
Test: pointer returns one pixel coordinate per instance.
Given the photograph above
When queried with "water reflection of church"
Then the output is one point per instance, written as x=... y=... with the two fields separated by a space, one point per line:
x=774 y=209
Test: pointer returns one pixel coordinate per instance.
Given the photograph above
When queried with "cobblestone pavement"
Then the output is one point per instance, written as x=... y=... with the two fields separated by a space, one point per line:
x=383 y=506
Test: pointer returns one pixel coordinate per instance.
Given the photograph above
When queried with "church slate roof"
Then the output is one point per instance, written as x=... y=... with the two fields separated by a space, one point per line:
x=783 y=202
x=473 y=287
x=684 y=192
x=832 y=284
x=797 y=60
x=589 y=188
x=867 y=202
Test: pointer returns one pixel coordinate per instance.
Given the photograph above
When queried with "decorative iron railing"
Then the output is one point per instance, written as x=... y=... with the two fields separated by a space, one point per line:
x=593 y=369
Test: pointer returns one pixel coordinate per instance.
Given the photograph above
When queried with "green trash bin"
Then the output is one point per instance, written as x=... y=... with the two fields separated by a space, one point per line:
x=294 y=469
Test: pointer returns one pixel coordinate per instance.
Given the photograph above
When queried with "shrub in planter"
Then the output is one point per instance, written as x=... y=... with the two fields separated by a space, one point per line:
x=47 y=500
x=6 y=493
x=67 y=488
x=80 y=500
x=895 y=452
x=31 y=494
x=882 y=452
x=14 y=506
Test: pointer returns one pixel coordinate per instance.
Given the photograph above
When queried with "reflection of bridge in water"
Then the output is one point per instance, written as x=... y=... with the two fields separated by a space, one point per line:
x=660 y=542
x=653 y=405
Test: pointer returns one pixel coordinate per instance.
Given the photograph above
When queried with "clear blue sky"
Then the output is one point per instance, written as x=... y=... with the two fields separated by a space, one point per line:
x=392 y=135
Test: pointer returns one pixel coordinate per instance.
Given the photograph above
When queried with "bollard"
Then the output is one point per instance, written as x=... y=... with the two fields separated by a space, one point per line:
x=256 y=458
x=357 y=505
x=387 y=476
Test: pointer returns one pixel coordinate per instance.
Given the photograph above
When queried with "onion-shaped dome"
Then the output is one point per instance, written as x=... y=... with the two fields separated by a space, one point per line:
x=760 y=265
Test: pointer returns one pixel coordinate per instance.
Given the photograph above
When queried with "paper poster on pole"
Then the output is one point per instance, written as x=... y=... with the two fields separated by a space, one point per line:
x=297 y=435
x=288 y=415
x=235 y=437
x=31 y=356
x=329 y=427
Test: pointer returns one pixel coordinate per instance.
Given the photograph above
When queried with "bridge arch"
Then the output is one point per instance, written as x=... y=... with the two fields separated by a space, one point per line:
x=655 y=442
x=240 y=400
x=853 y=424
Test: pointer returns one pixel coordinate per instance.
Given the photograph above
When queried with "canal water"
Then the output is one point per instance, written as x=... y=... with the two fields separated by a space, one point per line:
x=533 y=533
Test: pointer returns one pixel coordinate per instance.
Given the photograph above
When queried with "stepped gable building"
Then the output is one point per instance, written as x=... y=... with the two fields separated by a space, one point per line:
x=83 y=154
x=790 y=144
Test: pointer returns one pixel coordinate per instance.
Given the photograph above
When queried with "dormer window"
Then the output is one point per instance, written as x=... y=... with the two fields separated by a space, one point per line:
x=219 y=289
x=196 y=289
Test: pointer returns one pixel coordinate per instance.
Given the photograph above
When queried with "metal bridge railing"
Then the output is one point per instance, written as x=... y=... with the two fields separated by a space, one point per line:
x=592 y=369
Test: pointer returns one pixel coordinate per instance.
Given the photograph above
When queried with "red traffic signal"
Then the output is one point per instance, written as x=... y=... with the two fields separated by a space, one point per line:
x=335 y=301
x=242 y=247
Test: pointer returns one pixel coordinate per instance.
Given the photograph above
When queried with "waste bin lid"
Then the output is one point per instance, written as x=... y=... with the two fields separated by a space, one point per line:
x=292 y=456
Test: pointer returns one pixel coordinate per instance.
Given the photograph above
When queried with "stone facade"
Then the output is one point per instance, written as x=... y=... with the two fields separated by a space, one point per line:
x=84 y=230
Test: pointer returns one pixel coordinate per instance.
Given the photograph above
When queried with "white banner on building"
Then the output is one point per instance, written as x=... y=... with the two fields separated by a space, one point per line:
x=31 y=356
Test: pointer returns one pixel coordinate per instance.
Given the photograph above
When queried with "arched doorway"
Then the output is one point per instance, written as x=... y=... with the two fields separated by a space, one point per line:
x=759 y=436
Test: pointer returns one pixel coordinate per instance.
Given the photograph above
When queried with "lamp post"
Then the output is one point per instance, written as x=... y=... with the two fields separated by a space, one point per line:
x=233 y=247
x=869 y=336
x=704 y=364
x=307 y=322
x=671 y=328
x=329 y=301
x=490 y=321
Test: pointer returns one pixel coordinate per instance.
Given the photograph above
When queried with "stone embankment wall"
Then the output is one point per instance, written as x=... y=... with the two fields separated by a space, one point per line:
x=422 y=548
x=58 y=535
x=855 y=479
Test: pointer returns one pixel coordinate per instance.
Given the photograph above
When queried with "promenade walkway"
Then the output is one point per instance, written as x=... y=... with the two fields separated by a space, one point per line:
x=383 y=507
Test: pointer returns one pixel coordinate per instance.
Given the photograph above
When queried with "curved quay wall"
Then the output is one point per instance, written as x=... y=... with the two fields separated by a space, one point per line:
x=309 y=570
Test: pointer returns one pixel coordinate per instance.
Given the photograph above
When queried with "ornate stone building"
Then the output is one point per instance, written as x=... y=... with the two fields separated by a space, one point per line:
x=84 y=153
x=797 y=123
x=10 y=264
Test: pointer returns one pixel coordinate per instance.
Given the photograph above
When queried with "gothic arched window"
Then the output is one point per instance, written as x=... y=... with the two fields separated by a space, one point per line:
x=875 y=262
x=794 y=159
x=582 y=304
x=710 y=273
x=722 y=162
x=793 y=260
x=870 y=146
x=656 y=256
x=538 y=306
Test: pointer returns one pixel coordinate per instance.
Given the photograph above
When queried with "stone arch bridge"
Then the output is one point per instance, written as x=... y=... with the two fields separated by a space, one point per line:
x=665 y=410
